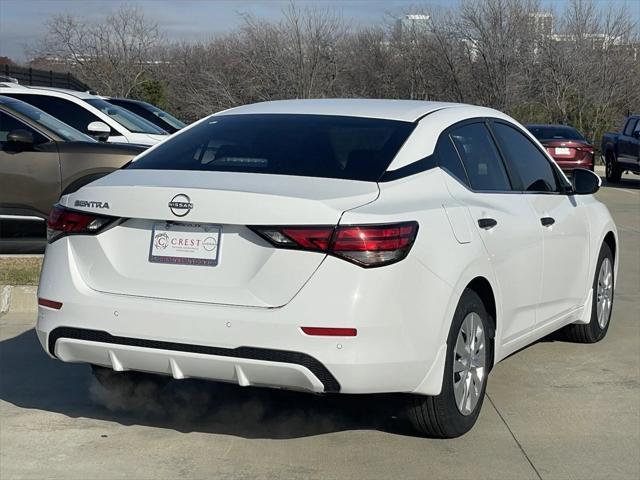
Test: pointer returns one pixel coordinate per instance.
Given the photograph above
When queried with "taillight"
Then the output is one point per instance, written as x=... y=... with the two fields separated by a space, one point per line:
x=364 y=245
x=63 y=222
x=584 y=149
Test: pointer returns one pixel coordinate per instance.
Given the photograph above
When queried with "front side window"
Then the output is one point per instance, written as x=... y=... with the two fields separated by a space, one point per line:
x=149 y=112
x=481 y=158
x=61 y=129
x=530 y=164
x=8 y=124
x=327 y=146
x=628 y=131
x=124 y=117
x=64 y=110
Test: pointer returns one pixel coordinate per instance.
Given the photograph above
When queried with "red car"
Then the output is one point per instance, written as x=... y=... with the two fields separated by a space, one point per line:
x=566 y=145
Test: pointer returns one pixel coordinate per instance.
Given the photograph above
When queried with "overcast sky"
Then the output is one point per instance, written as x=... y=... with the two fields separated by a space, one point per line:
x=21 y=20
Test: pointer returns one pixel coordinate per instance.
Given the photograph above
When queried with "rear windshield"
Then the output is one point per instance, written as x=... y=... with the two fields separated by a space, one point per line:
x=550 y=132
x=305 y=145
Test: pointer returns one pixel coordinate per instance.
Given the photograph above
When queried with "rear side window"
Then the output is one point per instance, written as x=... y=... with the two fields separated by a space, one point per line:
x=65 y=110
x=448 y=159
x=328 y=146
x=530 y=164
x=481 y=158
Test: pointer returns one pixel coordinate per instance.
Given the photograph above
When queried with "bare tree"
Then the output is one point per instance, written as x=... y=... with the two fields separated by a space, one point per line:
x=581 y=69
x=586 y=72
x=114 y=56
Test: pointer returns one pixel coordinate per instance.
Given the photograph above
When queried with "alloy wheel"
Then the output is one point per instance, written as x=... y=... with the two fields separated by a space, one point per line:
x=604 y=292
x=469 y=363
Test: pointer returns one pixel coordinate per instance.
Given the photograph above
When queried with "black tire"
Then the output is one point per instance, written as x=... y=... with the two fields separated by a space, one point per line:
x=592 y=332
x=126 y=381
x=613 y=172
x=439 y=416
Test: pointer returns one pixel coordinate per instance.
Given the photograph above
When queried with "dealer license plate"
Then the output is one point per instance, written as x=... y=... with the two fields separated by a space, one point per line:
x=185 y=244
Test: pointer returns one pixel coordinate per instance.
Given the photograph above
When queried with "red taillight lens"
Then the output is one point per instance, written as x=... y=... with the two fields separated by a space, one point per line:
x=584 y=149
x=64 y=222
x=374 y=245
x=365 y=245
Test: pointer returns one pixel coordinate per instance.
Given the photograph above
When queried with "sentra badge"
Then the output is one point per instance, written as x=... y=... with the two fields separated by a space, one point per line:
x=90 y=204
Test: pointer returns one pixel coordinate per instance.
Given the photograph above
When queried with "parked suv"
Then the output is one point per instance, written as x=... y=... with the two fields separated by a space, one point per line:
x=353 y=246
x=40 y=159
x=621 y=151
x=149 y=112
x=89 y=114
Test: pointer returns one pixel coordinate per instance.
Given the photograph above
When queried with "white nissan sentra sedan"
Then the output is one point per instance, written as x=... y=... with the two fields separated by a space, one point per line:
x=352 y=246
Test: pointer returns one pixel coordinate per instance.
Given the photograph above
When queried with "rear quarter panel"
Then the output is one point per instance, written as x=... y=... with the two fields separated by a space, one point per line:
x=446 y=263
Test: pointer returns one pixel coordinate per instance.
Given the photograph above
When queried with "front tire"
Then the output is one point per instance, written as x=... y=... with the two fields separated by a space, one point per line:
x=469 y=356
x=601 y=303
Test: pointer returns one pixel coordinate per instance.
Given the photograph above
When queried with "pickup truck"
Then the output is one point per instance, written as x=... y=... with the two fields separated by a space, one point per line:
x=621 y=151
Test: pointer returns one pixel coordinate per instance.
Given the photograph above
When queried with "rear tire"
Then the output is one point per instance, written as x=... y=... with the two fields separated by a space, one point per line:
x=601 y=303
x=123 y=381
x=612 y=171
x=449 y=414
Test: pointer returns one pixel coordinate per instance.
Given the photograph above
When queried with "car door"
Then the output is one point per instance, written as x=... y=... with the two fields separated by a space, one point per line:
x=627 y=143
x=562 y=220
x=29 y=174
x=505 y=222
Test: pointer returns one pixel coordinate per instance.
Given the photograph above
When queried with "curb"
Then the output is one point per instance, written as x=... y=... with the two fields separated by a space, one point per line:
x=18 y=298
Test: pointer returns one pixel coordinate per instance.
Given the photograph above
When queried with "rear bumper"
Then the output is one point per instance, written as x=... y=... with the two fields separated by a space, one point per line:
x=397 y=310
x=244 y=365
x=568 y=165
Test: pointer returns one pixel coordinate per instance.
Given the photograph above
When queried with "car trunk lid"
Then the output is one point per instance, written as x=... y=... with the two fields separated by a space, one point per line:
x=248 y=271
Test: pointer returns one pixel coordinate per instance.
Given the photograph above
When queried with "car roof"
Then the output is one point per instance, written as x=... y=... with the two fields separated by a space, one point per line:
x=121 y=99
x=7 y=100
x=17 y=88
x=402 y=110
x=548 y=125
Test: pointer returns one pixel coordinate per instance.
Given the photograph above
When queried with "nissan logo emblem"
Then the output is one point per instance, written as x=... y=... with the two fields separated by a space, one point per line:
x=180 y=205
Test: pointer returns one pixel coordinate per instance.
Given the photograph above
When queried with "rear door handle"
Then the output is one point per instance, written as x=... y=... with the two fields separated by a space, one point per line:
x=547 y=221
x=487 y=223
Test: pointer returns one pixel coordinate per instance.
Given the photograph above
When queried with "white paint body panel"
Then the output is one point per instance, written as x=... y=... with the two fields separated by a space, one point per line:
x=261 y=296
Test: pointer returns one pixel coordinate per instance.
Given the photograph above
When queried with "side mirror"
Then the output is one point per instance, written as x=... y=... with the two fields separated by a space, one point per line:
x=99 y=130
x=585 y=181
x=20 y=137
x=636 y=134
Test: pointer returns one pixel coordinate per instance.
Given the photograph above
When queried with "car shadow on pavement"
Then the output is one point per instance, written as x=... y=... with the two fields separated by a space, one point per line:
x=29 y=379
x=627 y=183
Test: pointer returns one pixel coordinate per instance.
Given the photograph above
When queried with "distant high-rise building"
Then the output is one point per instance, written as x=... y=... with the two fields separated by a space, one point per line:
x=413 y=22
x=541 y=23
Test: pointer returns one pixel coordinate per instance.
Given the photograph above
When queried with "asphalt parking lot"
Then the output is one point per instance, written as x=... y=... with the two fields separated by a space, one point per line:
x=555 y=410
